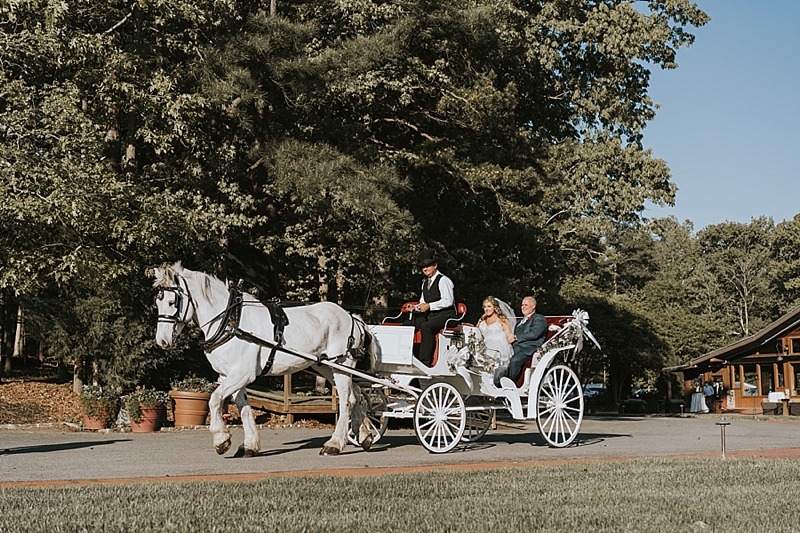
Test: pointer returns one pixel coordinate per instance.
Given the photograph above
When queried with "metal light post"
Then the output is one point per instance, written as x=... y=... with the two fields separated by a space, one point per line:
x=722 y=423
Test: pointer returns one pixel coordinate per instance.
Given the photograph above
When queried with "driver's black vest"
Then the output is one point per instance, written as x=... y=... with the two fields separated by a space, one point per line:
x=433 y=294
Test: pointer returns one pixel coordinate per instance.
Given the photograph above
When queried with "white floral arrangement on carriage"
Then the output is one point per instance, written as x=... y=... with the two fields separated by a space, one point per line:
x=474 y=356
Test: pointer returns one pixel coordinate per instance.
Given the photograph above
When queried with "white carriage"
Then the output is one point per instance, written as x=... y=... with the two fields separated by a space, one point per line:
x=447 y=404
x=450 y=405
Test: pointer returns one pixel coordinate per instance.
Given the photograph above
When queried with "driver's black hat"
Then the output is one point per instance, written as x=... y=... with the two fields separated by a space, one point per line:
x=428 y=257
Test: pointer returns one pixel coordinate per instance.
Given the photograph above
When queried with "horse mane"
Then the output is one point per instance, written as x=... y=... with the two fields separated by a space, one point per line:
x=166 y=278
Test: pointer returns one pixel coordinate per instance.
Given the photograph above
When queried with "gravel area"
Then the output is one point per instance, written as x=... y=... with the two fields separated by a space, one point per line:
x=37 y=402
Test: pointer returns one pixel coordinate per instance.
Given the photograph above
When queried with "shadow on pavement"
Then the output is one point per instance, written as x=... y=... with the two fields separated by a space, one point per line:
x=314 y=443
x=45 y=448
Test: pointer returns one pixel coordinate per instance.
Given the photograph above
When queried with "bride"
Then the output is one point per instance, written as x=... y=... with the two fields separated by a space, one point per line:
x=496 y=327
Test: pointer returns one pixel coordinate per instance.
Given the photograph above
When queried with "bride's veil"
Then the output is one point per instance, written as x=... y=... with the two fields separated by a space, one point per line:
x=512 y=320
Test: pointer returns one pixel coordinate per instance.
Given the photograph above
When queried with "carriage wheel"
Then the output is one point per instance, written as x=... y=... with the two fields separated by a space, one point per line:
x=440 y=417
x=478 y=421
x=375 y=403
x=559 y=409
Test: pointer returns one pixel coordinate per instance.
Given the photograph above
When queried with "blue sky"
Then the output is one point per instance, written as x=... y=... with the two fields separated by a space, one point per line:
x=729 y=122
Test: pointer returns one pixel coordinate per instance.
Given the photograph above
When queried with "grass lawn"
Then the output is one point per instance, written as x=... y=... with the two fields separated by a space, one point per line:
x=680 y=495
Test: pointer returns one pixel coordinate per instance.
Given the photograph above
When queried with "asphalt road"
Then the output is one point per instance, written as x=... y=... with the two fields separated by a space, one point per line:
x=35 y=455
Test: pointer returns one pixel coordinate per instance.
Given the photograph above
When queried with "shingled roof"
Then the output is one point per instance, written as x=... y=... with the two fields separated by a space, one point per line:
x=765 y=338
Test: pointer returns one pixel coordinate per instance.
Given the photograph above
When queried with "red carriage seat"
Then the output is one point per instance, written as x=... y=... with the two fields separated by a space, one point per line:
x=554 y=324
x=452 y=324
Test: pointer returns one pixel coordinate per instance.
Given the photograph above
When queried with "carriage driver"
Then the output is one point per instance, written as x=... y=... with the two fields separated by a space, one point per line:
x=437 y=305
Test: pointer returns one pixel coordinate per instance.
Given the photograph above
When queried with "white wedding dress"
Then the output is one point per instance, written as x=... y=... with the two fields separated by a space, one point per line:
x=495 y=340
x=486 y=354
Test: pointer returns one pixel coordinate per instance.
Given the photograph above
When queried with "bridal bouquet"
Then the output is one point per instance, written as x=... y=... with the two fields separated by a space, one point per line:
x=474 y=356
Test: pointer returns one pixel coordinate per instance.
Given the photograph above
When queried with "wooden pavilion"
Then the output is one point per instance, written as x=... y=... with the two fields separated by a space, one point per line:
x=755 y=375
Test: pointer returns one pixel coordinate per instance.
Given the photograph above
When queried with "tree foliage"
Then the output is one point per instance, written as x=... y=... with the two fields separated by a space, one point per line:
x=340 y=137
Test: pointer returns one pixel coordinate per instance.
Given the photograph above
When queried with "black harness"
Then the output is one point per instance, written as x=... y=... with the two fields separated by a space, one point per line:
x=231 y=318
x=229 y=321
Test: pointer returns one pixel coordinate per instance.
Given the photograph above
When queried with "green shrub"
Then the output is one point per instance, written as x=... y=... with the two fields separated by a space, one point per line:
x=144 y=398
x=194 y=383
x=99 y=403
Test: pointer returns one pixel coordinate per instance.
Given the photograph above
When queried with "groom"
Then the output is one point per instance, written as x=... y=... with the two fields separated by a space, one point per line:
x=529 y=335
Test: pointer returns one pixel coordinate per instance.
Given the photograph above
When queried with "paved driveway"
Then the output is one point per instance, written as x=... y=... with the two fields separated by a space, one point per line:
x=61 y=455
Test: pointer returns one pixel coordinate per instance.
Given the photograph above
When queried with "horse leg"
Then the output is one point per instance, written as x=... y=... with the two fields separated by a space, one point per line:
x=252 y=439
x=219 y=430
x=359 y=423
x=336 y=444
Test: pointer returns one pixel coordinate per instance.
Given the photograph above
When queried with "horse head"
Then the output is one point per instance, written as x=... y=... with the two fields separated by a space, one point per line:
x=174 y=304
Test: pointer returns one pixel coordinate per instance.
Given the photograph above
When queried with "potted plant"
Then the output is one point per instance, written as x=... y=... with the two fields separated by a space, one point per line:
x=145 y=408
x=99 y=407
x=191 y=395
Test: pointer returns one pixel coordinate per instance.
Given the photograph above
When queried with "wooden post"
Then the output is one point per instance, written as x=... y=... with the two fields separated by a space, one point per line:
x=287 y=392
x=687 y=392
x=758 y=379
x=775 y=382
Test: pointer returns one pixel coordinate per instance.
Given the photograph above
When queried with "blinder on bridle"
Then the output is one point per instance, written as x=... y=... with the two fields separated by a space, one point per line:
x=177 y=317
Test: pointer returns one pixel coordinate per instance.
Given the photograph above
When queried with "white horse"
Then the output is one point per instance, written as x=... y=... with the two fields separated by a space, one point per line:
x=233 y=332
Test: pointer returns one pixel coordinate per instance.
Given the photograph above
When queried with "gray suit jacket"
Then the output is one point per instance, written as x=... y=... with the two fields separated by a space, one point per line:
x=530 y=335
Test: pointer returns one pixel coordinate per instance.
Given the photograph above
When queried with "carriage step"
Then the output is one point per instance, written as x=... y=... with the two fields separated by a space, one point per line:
x=511 y=394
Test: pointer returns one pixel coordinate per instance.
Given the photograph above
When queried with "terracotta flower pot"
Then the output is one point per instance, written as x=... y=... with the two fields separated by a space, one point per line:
x=151 y=416
x=94 y=423
x=191 y=408
x=98 y=413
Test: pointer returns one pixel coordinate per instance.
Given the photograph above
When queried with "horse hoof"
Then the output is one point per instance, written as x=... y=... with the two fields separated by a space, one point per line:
x=250 y=453
x=328 y=450
x=367 y=442
x=222 y=448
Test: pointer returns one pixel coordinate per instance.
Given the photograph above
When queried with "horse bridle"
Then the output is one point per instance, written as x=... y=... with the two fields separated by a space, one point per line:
x=177 y=317
x=228 y=319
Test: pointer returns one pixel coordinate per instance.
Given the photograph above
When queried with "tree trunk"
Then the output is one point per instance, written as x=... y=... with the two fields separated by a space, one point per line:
x=322 y=262
x=380 y=302
x=77 y=378
x=378 y=310
x=3 y=338
x=339 y=287
x=63 y=372
x=19 y=335
x=95 y=372
x=7 y=358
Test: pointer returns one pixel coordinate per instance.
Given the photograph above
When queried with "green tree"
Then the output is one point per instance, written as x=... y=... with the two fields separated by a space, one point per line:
x=680 y=298
x=339 y=137
x=738 y=255
x=786 y=261
x=631 y=349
